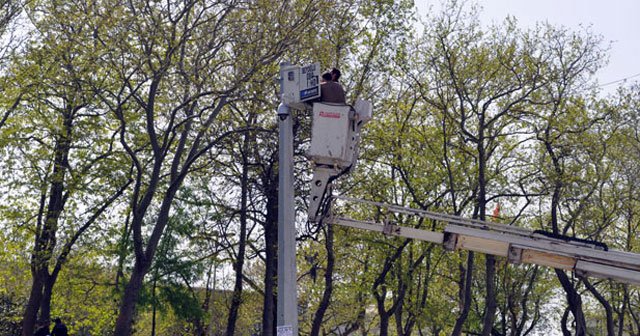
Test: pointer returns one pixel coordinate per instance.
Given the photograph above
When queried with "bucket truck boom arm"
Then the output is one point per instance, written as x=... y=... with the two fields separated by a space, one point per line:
x=334 y=151
x=518 y=245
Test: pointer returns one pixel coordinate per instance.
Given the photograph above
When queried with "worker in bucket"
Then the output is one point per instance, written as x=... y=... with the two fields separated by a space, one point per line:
x=331 y=91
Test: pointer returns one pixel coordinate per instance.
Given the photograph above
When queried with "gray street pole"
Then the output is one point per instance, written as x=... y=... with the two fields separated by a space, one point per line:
x=287 y=286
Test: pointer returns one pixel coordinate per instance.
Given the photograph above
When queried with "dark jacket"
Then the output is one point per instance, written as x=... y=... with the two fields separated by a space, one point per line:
x=332 y=92
x=42 y=331
x=60 y=330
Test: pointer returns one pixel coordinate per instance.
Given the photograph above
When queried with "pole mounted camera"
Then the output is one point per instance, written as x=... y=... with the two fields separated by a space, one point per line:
x=299 y=84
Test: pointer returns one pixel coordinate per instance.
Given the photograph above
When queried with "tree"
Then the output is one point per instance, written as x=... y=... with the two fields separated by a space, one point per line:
x=175 y=67
x=9 y=41
x=62 y=150
x=487 y=78
x=623 y=199
x=137 y=145
x=565 y=128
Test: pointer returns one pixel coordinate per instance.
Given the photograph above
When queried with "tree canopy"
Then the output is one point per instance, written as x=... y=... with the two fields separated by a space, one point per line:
x=140 y=176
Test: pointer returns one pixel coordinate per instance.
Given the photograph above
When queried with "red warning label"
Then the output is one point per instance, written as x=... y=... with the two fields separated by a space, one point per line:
x=326 y=114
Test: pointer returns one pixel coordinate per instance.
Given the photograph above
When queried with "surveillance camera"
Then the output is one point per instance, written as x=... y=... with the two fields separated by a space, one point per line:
x=283 y=111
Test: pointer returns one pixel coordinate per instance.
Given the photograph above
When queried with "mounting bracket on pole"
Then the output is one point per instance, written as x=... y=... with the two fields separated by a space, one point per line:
x=322 y=177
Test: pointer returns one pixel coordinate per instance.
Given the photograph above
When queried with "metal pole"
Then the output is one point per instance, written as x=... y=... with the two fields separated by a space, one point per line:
x=287 y=287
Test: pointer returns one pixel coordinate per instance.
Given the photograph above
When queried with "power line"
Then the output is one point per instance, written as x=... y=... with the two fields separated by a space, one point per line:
x=620 y=80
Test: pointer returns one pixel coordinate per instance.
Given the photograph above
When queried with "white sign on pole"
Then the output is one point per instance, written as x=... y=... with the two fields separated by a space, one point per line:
x=290 y=81
x=286 y=330
x=310 y=82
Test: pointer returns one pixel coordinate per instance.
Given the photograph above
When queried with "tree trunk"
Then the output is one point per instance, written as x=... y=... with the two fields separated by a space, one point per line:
x=490 y=309
x=144 y=256
x=269 y=179
x=33 y=305
x=490 y=261
x=465 y=297
x=154 y=309
x=563 y=323
x=398 y=320
x=328 y=284
x=573 y=297
x=47 y=292
x=380 y=290
x=210 y=329
x=46 y=231
x=384 y=322
x=270 y=280
x=124 y=323
x=623 y=310
x=238 y=266
x=634 y=318
x=574 y=301
x=607 y=307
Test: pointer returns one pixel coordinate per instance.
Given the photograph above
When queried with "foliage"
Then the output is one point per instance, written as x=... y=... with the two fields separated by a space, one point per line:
x=138 y=162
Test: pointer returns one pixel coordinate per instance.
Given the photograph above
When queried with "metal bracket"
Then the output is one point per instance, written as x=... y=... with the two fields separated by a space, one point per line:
x=450 y=241
x=514 y=255
x=317 y=194
x=390 y=229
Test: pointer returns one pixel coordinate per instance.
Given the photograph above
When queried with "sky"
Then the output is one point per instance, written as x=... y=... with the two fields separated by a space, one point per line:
x=618 y=21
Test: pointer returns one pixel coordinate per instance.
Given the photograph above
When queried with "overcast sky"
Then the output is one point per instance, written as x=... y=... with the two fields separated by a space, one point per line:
x=617 y=21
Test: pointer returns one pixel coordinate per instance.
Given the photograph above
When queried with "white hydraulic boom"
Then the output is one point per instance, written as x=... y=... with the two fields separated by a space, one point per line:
x=518 y=245
x=334 y=151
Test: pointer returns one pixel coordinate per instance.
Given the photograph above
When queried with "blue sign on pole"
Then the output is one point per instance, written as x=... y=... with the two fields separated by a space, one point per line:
x=310 y=93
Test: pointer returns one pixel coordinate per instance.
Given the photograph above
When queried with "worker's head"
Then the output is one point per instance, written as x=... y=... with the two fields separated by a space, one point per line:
x=335 y=74
x=326 y=76
x=57 y=320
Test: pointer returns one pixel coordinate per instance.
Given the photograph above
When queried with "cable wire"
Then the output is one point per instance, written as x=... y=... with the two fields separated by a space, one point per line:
x=619 y=80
